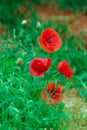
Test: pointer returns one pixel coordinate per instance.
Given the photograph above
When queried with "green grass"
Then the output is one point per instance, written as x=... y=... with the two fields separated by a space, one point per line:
x=21 y=106
x=75 y=5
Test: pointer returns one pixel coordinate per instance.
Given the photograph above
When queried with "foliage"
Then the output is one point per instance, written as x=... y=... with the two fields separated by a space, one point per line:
x=74 y=4
x=21 y=106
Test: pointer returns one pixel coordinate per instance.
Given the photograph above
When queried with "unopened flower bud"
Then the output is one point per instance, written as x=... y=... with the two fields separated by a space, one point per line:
x=38 y=25
x=19 y=61
x=24 y=22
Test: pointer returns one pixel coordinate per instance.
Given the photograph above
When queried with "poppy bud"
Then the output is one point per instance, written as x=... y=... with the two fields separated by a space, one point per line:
x=19 y=61
x=24 y=22
x=38 y=25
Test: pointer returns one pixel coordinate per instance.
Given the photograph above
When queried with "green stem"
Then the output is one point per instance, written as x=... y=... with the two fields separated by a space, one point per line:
x=55 y=75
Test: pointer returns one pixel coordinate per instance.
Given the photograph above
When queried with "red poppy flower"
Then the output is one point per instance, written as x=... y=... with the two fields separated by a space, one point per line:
x=38 y=66
x=52 y=94
x=49 y=40
x=65 y=69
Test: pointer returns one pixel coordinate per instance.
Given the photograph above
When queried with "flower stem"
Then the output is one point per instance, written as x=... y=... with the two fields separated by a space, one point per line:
x=56 y=75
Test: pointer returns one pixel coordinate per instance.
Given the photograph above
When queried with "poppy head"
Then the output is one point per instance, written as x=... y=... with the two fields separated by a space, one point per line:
x=19 y=61
x=52 y=94
x=38 y=66
x=49 y=40
x=65 y=69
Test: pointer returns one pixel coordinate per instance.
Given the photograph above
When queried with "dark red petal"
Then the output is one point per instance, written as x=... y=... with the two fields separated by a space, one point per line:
x=59 y=89
x=57 y=93
x=38 y=66
x=35 y=73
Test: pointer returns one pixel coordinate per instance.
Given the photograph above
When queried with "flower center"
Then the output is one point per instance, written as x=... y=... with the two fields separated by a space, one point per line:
x=50 y=40
x=52 y=92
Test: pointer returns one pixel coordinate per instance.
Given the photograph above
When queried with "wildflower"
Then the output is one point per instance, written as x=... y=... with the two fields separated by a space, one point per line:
x=49 y=40
x=52 y=94
x=65 y=69
x=38 y=66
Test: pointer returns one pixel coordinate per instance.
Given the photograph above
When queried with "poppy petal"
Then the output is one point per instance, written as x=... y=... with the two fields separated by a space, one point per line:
x=65 y=69
x=43 y=95
x=38 y=66
x=51 y=86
